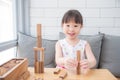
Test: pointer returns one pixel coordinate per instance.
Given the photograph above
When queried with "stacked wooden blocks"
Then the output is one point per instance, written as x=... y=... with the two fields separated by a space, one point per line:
x=39 y=62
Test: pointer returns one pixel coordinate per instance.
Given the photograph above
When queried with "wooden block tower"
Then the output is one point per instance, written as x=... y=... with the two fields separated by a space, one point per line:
x=39 y=62
x=78 y=59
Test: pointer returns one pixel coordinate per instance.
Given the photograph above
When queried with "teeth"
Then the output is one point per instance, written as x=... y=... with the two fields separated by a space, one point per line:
x=71 y=33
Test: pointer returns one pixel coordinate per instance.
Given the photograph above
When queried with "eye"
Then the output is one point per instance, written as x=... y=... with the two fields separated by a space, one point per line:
x=68 y=25
x=75 y=26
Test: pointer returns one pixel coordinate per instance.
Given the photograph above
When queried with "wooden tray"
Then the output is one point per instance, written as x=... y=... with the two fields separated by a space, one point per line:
x=15 y=69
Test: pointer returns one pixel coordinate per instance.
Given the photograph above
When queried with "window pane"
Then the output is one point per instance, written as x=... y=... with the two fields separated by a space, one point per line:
x=7 y=30
x=7 y=55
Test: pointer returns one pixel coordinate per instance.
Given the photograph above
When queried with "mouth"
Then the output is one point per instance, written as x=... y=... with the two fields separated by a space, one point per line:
x=71 y=34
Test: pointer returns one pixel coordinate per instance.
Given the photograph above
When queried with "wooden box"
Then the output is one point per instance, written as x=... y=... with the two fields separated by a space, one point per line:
x=15 y=69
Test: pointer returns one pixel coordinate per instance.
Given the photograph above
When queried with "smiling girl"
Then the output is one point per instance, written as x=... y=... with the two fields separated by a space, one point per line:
x=72 y=23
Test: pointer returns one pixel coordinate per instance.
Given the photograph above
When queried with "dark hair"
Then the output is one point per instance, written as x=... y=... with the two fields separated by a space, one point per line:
x=72 y=15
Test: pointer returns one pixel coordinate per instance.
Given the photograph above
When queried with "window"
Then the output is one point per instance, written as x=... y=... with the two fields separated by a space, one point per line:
x=7 y=30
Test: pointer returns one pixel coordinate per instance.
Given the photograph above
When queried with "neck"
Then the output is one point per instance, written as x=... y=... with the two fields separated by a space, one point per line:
x=72 y=42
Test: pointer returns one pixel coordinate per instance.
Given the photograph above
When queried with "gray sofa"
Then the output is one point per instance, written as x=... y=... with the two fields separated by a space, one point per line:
x=105 y=48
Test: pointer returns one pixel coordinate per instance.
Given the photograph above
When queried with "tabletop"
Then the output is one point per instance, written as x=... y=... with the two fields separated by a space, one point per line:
x=93 y=74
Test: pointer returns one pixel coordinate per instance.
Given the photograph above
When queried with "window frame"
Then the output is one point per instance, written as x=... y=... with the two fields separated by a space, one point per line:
x=21 y=22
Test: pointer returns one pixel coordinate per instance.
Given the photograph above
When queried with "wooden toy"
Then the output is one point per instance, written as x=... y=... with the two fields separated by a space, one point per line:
x=78 y=59
x=39 y=36
x=56 y=71
x=39 y=62
x=14 y=69
x=63 y=74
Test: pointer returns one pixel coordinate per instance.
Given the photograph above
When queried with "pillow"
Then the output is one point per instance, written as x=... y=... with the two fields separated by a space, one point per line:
x=25 y=49
x=94 y=41
x=110 y=55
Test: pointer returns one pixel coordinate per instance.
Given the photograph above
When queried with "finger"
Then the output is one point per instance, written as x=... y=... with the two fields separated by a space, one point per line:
x=85 y=67
x=83 y=63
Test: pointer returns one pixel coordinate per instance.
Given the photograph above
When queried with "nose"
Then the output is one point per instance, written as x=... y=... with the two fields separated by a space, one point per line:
x=71 y=28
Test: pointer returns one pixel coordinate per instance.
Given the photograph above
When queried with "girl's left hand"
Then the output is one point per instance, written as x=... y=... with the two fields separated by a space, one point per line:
x=84 y=64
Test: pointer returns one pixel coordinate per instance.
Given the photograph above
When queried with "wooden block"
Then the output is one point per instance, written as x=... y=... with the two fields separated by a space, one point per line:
x=37 y=67
x=38 y=49
x=36 y=55
x=78 y=68
x=63 y=74
x=39 y=37
x=42 y=67
x=56 y=71
x=78 y=59
x=78 y=55
x=42 y=54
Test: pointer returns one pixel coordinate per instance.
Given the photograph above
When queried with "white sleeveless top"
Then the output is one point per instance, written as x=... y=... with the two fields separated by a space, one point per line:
x=70 y=51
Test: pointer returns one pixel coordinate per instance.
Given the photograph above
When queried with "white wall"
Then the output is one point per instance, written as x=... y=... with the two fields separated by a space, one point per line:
x=99 y=16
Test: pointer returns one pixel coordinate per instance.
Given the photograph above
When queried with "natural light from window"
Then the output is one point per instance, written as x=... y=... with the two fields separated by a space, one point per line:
x=7 y=29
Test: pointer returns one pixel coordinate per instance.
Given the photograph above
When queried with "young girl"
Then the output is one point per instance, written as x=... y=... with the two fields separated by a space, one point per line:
x=72 y=23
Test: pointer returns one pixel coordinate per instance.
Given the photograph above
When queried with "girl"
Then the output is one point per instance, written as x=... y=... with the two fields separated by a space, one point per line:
x=72 y=23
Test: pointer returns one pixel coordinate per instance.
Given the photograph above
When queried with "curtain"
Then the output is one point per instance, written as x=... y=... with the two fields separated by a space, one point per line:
x=22 y=9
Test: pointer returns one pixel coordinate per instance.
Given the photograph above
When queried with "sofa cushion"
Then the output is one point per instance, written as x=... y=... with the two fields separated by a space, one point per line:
x=25 y=49
x=94 y=41
x=110 y=55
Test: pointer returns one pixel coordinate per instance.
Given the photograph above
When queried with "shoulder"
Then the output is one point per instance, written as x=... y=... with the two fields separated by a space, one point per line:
x=83 y=42
x=59 y=42
x=87 y=45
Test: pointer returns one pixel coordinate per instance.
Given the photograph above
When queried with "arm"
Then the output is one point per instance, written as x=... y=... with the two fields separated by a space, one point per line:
x=90 y=56
x=90 y=62
x=59 y=56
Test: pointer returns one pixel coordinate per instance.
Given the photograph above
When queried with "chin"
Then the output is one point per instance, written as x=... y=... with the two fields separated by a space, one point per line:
x=71 y=37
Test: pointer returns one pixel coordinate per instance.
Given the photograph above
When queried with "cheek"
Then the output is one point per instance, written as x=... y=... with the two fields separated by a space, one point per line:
x=63 y=29
x=78 y=31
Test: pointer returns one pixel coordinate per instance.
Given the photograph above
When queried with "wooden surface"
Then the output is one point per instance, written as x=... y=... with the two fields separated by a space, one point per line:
x=15 y=68
x=94 y=74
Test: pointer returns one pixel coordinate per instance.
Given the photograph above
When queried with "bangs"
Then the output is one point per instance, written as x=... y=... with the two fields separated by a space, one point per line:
x=72 y=16
x=71 y=19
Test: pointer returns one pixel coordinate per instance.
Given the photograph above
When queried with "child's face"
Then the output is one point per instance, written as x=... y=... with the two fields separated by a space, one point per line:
x=71 y=29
